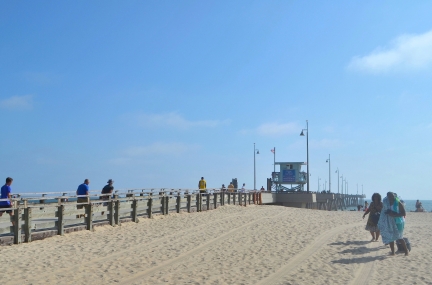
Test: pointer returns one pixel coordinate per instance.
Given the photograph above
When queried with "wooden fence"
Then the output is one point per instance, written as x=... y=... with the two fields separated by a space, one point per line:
x=32 y=218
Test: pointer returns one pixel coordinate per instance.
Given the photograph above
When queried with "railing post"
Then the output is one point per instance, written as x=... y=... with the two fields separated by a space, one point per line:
x=134 y=210
x=207 y=201
x=162 y=201
x=117 y=212
x=215 y=196
x=167 y=198
x=149 y=209
x=27 y=224
x=111 y=211
x=178 y=202
x=189 y=202
x=60 y=221
x=17 y=225
x=89 y=218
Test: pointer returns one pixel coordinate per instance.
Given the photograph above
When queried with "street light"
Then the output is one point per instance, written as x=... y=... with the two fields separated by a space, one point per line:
x=328 y=160
x=337 y=171
x=256 y=151
x=307 y=152
x=342 y=188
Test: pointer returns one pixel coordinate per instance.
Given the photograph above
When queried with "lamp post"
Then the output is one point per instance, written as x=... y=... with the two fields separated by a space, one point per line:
x=319 y=184
x=328 y=160
x=307 y=152
x=337 y=171
x=256 y=151
x=342 y=188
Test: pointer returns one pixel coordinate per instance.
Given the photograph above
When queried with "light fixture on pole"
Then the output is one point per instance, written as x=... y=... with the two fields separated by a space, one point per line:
x=337 y=171
x=256 y=151
x=307 y=152
x=328 y=160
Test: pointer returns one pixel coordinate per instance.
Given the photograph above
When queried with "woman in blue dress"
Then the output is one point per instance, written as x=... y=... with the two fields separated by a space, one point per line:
x=391 y=223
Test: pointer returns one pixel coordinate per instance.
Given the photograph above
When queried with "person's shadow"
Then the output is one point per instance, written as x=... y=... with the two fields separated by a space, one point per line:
x=364 y=259
x=354 y=242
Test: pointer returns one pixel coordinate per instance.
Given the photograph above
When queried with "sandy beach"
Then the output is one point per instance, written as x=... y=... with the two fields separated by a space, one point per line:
x=230 y=245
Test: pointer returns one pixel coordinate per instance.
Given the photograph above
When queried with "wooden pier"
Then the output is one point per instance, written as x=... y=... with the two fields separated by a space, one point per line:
x=33 y=221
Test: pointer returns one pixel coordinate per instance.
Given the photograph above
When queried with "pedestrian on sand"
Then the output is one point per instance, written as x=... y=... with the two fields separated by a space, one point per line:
x=374 y=212
x=391 y=223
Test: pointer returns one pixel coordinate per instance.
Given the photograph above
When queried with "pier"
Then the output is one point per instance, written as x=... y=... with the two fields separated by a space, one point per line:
x=49 y=214
x=319 y=201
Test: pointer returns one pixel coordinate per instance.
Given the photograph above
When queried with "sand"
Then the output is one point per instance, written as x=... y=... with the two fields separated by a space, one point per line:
x=230 y=245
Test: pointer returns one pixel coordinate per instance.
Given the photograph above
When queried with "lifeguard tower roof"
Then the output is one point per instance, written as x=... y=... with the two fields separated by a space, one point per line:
x=301 y=163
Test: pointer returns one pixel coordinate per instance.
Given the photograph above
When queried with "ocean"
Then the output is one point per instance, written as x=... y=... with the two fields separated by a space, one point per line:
x=410 y=205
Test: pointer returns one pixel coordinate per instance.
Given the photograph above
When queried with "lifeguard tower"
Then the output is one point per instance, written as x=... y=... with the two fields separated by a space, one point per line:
x=289 y=178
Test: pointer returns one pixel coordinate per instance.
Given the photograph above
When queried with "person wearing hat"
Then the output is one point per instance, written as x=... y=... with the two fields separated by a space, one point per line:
x=108 y=189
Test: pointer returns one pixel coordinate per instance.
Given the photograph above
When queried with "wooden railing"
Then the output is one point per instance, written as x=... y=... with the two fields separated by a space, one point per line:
x=30 y=218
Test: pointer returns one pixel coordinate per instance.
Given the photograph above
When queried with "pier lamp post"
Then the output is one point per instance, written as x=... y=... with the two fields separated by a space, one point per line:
x=337 y=171
x=307 y=152
x=328 y=160
x=342 y=188
x=256 y=151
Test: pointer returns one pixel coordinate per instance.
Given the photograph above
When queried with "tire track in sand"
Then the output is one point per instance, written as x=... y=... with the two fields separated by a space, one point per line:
x=139 y=275
x=298 y=259
x=185 y=232
x=364 y=273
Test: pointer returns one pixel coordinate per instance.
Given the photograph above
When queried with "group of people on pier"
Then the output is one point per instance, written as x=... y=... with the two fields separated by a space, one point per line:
x=387 y=218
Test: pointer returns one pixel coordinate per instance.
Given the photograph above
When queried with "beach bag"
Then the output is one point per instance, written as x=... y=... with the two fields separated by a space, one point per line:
x=400 y=247
x=375 y=218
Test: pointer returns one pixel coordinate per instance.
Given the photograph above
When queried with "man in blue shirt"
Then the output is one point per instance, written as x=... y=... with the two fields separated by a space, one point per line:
x=83 y=189
x=6 y=194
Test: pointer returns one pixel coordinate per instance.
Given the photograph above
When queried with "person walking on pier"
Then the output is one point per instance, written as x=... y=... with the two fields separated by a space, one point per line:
x=202 y=185
x=108 y=189
x=83 y=189
x=6 y=193
x=231 y=187
x=374 y=211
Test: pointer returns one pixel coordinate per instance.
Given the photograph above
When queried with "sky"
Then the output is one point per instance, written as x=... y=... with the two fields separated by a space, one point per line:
x=156 y=94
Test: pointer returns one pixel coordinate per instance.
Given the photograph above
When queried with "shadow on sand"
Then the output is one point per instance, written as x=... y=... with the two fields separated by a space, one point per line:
x=359 y=259
x=361 y=250
x=354 y=242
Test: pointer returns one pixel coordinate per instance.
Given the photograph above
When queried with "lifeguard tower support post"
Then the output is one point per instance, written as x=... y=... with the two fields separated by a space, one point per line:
x=289 y=174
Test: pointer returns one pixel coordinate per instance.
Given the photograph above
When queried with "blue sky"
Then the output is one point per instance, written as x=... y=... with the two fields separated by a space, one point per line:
x=159 y=93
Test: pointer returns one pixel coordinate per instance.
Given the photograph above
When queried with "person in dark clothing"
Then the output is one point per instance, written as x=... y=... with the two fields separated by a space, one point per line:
x=108 y=189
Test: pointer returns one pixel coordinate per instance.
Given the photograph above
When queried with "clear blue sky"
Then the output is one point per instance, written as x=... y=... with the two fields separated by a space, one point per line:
x=160 y=93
